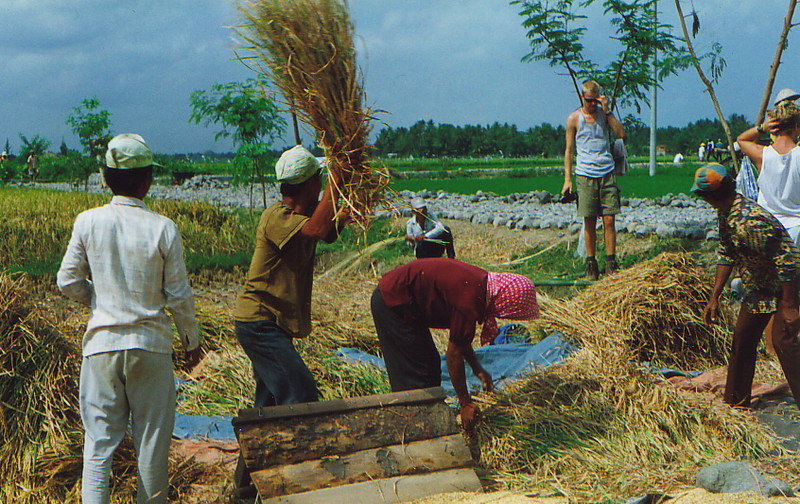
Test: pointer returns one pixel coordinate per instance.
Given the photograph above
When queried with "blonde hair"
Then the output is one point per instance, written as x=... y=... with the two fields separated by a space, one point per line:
x=591 y=86
x=787 y=114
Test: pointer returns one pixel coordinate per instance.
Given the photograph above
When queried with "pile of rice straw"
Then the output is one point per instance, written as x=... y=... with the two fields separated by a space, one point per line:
x=41 y=436
x=223 y=383
x=306 y=46
x=654 y=308
x=597 y=429
x=600 y=428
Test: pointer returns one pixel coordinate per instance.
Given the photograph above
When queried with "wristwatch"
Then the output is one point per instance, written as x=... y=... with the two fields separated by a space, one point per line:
x=760 y=128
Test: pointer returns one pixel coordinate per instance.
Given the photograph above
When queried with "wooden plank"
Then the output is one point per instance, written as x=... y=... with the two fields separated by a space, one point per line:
x=291 y=440
x=389 y=490
x=431 y=455
x=419 y=396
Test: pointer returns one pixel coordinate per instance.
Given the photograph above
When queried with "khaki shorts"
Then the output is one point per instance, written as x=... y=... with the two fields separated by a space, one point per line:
x=597 y=196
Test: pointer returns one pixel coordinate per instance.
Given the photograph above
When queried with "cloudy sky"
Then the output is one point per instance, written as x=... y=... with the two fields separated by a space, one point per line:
x=452 y=61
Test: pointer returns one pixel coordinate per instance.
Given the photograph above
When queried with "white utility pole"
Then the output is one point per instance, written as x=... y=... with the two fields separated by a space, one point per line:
x=653 y=96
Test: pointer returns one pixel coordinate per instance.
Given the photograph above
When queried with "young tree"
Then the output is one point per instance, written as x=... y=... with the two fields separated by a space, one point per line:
x=36 y=146
x=556 y=33
x=246 y=114
x=92 y=126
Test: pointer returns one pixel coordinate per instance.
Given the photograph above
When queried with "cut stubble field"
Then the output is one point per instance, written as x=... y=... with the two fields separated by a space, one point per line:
x=596 y=430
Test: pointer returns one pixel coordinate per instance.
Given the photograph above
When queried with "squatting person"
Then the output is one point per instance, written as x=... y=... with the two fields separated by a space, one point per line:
x=444 y=293
x=753 y=240
x=126 y=262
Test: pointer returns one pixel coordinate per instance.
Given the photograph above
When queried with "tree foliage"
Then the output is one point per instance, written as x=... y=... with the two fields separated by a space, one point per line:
x=92 y=125
x=426 y=139
x=35 y=145
x=246 y=114
x=243 y=109
x=556 y=32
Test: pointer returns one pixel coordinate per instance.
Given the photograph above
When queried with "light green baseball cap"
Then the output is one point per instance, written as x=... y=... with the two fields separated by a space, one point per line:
x=128 y=151
x=296 y=165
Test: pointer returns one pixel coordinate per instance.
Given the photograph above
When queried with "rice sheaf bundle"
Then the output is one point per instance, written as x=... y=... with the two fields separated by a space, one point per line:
x=654 y=308
x=306 y=46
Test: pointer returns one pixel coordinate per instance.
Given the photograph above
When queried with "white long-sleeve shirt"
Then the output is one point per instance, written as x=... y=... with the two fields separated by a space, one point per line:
x=432 y=227
x=126 y=262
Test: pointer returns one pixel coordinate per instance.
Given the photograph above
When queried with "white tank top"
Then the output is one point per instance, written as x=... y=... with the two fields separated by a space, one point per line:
x=779 y=185
x=593 y=157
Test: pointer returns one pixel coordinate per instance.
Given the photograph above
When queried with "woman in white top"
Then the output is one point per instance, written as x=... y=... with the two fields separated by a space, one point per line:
x=778 y=165
x=778 y=168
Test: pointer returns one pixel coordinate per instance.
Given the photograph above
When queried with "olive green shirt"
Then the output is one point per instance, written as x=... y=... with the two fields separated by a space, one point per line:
x=280 y=278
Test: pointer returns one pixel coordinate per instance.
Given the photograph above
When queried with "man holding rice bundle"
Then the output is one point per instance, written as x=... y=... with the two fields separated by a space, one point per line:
x=753 y=240
x=275 y=306
x=446 y=294
x=126 y=262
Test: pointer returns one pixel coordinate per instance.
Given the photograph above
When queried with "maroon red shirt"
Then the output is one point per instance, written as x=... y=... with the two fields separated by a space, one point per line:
x=440 y=293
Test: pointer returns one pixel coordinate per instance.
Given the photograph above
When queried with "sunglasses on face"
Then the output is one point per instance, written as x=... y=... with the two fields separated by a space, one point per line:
x=591 y=100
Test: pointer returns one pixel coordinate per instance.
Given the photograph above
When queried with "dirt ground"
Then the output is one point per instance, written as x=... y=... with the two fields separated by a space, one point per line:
x=345 y=300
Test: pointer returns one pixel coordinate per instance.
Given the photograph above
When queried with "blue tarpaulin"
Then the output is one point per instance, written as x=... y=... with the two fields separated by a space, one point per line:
x=203 y=427
x=503 y=362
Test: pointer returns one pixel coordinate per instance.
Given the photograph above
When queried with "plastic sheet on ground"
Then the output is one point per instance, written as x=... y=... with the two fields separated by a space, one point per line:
x=203 y=427
x=503 y=362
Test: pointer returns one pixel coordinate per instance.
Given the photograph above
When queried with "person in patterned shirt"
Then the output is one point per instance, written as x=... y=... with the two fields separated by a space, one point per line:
x=753 y=240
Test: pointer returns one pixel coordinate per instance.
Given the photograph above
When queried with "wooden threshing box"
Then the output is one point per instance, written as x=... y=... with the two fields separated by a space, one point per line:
x=377 y=449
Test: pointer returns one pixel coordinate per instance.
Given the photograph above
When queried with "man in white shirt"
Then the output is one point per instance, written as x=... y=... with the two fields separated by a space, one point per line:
x=126 y=262
x=428 y=236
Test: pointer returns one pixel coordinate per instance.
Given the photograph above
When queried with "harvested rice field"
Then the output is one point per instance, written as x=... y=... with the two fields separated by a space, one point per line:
x=597 y=428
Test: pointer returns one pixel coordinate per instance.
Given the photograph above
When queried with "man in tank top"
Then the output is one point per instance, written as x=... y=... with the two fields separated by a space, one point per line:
x=596 y=183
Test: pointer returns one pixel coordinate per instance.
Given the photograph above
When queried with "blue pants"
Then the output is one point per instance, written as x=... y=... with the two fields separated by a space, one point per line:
x=280 y=373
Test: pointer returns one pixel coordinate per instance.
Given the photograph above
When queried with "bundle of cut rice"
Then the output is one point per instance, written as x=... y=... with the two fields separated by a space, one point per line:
x=654 y=308
x=306 y=46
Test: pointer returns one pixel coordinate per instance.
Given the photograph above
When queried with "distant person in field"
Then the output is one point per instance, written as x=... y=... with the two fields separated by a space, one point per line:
x=427 y=235
x=445 y=294
x=596 y=183
x=33 y=170
x=275 y=306
x=126 y=262
x=710 y=150
x=701 y=152
x=754 y=241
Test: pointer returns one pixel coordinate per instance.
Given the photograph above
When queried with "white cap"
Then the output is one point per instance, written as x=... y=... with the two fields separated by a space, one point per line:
x=128 y=151
x=786 y=94
x=296 y=165
x=418 y=203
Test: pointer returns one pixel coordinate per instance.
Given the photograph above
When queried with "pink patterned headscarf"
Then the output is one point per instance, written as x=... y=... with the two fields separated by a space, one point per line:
x=508 y=296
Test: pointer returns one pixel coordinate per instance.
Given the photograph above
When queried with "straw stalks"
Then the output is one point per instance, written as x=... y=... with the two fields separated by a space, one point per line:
x=41 y=436
x=223 y=383
x=597 y=430
x=654 y=308
x=307 y=47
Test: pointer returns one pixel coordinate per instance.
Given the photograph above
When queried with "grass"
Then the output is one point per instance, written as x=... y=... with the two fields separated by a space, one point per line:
x=637 y=183
x=595 y=429
x=38 y=224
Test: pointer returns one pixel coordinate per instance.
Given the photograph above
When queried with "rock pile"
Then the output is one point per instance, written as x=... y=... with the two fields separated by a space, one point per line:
x=677 y=216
